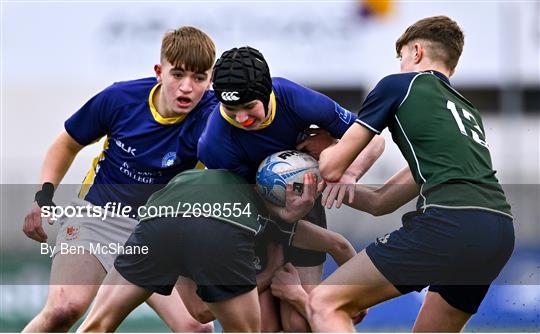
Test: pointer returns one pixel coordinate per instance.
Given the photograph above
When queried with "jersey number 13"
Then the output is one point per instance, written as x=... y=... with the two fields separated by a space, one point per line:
x=476 y=131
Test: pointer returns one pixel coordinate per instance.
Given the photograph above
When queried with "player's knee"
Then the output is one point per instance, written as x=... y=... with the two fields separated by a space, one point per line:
x=294 y=322
x=317 y=306
x=64 y=315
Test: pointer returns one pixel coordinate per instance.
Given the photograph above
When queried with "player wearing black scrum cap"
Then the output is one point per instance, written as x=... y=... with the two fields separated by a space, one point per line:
x=260 y=115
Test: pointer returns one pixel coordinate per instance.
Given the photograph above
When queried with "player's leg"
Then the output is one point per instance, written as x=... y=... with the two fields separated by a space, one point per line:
x=308 y=262
x=173 y=312
x=481 y=243
x=354 y=286
x=436 y=315
x=115 y=299
x=240 y=313
x=270 y=319
x=218 y=257
x=291 y=319
x=187 y=289
x=74 y=282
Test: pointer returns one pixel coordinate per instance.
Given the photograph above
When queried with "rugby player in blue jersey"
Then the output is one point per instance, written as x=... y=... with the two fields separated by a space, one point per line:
x=461 y=235
x=152 y=127
x=260 y=115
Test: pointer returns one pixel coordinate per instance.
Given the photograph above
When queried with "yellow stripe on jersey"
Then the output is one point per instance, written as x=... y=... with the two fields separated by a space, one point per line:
x=89 y=178
x=200 y=165
x=157 y=117
x=263 y=125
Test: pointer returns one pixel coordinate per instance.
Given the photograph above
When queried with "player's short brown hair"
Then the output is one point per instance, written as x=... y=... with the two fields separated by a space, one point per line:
x=443 y=36
x=188 y=47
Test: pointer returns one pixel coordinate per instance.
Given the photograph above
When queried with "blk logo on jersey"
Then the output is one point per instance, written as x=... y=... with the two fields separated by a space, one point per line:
x=124 y=147
x=343 y=114
x=230 y=96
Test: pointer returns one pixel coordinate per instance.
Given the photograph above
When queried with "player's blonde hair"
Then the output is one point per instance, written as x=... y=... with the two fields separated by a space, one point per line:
x=188 y=47
x=443 y=36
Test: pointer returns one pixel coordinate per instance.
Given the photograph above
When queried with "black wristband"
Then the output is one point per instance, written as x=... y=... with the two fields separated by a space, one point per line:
x=45 y=195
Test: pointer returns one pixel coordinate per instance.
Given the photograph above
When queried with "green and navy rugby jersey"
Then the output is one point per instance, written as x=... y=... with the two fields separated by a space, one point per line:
x=225 y=144
x=215 y=193
x=442 y=138
x=142 y=150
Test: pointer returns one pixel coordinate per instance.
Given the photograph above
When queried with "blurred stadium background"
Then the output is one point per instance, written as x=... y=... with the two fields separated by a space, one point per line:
x=56 y=55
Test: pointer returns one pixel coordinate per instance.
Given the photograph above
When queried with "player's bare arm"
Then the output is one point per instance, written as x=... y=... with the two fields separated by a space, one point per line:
x=347 y=149
x=396 y=192
x=312 y=237
x=344 y=187
x=275 y=261
x=55 y=165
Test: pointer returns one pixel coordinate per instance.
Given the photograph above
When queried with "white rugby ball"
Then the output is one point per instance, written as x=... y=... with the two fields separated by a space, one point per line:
x=281 y=168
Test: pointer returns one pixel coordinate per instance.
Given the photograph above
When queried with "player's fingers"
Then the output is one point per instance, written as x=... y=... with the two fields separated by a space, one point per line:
x=332 y=196
x=341 y=195
x=289 y=192
x=30 y=224
x=33 y=233
x=289 y=267
x=310 y=184
x=26 y=225
x=352 y=191
x=327 y=199
x=324 y=195
x=320 y=186
x=41 y=234
x=307 y=178
x=38 y=228
x=313 y=186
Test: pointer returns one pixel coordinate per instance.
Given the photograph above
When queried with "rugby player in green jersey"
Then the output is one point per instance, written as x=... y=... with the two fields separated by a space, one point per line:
x=203 y=226
x=462 y=234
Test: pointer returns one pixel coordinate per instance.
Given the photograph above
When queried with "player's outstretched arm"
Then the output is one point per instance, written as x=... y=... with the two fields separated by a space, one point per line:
x=312 y=237
x=274 y=254
x=344 y=189
x=337 y=158
x=59 y=158
x=56 y=164
x=396 y=192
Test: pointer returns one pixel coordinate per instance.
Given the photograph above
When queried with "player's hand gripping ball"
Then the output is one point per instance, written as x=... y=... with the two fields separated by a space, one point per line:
x=281 y=168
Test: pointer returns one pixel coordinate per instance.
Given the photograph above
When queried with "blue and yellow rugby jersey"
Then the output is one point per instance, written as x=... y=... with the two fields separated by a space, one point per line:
x=441 y=136
x=143 y=150
x=224 y=144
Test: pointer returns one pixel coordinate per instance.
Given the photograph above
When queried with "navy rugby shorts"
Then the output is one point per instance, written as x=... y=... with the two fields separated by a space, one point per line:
x=456 y=252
